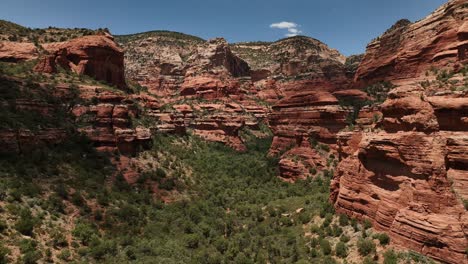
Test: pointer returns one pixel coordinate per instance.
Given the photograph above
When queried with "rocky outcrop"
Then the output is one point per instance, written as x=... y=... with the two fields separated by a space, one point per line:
x=301 y=162
x=181 y=67
x=187 y=69
x=17 y=51
x=215 y=55
x=169 y=63
x=407 y=110
x=217 y=122
x=300 y=57
x=408 y=173
x=408 y=50
x=410 y=178
x=158 y=59
x=209 y=87
x=305 y=112
x=24 y=140
x=108 y=121
x=400 y=181
x=97 y=56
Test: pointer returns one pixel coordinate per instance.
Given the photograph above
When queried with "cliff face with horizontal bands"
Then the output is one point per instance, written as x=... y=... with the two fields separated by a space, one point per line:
x=409 y=176
x=408 y=50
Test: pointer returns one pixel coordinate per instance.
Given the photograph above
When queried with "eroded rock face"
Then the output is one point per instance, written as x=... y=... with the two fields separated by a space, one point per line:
x=306 y=112
x=215 y=55
x=109 y=121
x=97 y=56
x=408 y=50
x=408 y=174
x=17 y=51
x=400 y=181
x=209 y=87
x=301 y=162
x=410 y=178
x=165 y=64
x=217 y=122
x=23 y=140
x=188 y=68
x=298 y=56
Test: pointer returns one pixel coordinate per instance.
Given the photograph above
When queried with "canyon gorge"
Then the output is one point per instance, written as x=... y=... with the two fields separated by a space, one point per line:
x=380 y=138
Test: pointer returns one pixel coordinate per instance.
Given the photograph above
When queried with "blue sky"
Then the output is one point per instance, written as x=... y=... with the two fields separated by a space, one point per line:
x=347 y=25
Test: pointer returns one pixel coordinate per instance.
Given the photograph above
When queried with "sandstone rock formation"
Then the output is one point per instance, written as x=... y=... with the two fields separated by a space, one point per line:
x=24 y=140
x=307 y=110
x=209 y=87
x=402 y=182
x=215 y=121
x=408 y=175
x=296 y=56
x=158 y=59
x=97 y=56
x=187 y=69
x=408 y=50
x=17 y=51
x=108 y=121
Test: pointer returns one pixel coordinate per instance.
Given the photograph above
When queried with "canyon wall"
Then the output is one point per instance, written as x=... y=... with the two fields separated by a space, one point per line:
x=409 y=175
x=407 y=50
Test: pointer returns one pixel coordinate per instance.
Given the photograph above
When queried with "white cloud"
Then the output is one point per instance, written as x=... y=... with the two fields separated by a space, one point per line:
x=283 y=25
x=290 y=26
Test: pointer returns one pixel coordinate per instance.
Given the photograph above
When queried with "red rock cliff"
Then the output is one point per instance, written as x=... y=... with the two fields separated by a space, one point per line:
x=410 y=176
x=97 y=56
x=408 y=50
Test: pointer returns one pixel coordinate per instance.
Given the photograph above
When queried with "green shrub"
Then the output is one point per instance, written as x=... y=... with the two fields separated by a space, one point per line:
x=167 y=184
x=77 y=199
x=313 y=171
x=64 y=254
x=84 y=232
x=444 y=76
x=326 y=208
x=354 y=224
x=325 y=247
x=304 y=217
x=327 y=221
x=3 y=226
x=366 y=224
x=54 y=203
x=315 y=229
x=390 y=257
x=313 y=253
x=341 y=250
x=369 y=260
x=28 y=248
x=58 y=239
x=365 y=246
x=25 y=223
x=100 y=248
x=4 y=252
x=192 y=241
x=344 y=238
x=324 y=147
x=336 y=230
x=384 y=239
x=31 y=257
x=328 y=260
x=343 y=220
x=160 y=173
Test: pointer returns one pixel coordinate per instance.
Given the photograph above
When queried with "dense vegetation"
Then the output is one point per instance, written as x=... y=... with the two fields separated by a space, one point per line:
x=233 y=209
